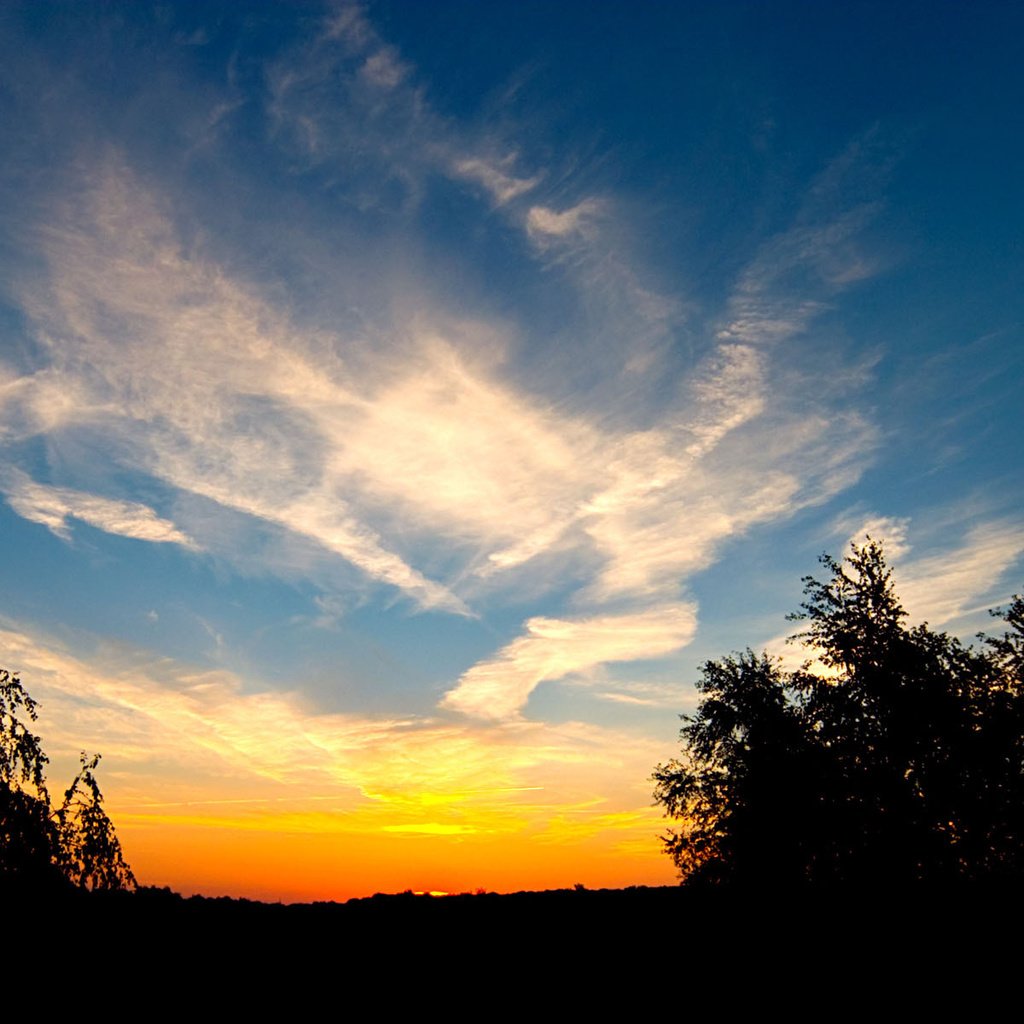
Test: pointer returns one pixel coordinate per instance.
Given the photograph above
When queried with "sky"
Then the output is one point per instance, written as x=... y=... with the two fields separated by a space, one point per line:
x=401 y=401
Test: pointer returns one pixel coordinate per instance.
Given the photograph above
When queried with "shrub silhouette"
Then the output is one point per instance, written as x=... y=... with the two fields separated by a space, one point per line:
x=899 y=760
x=41 y=847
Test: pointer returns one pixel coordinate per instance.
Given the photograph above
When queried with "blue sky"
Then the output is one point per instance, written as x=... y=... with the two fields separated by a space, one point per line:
x=399 y=401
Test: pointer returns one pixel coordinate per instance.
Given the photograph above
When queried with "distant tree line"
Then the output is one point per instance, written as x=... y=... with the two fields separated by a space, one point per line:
x=46 y=846
x=895 y=757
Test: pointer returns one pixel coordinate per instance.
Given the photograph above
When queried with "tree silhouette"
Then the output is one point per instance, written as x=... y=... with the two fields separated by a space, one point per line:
x=90 y=852
x=42 y=848
x=900 y=759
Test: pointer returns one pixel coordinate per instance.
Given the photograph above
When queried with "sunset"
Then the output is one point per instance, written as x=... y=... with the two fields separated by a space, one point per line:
x=400 y=402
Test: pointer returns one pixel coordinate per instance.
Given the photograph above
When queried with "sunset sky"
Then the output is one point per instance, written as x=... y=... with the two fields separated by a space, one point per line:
x=400 y=401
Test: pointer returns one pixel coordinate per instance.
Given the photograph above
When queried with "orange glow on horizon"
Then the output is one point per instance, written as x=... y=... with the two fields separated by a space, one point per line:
x=217 y=859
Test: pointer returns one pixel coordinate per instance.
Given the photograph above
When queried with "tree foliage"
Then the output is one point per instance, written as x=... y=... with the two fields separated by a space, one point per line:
x=898 y=757
x=41 y=846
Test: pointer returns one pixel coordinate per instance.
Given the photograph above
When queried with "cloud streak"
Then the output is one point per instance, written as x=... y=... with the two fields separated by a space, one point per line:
x=54 y=506
x=555 y=648
x=940 y=588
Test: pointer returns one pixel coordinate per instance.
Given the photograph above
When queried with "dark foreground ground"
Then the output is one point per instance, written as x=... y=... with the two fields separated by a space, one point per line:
x=620 y=953
x=650 y=914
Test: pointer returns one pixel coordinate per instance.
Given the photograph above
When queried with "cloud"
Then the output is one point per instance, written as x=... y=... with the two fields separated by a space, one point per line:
x=889 y=531
x=424 y=439
x=365 y=450
x=796 y=274
x=497 y=466
x=383 y=69
x=667 y=516
x=346 y=99
x=39 y=403
x=544 y=225
x=728 y=392
x=555 y=648
x=53 y=506
x=502 y=186
x=941 y=588
x=675 y=696
x=201 y=384
x=201 y=740
x=215 y=393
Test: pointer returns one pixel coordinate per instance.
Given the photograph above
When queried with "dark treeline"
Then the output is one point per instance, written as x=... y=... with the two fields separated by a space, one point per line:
x=581 y=944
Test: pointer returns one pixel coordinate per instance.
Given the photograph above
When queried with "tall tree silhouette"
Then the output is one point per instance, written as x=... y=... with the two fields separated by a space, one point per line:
x=41 y=847
x=28 y=835
x=898 y=760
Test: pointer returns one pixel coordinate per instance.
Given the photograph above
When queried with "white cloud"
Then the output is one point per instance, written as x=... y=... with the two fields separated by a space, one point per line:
x=456 y=452
x=555 y=648
x=666 y=516
x=543 y=224
x=502 y=186
x=675 y=696
x=764 y=321
x=794 y=275
x=728 y=393
x=383 y=68
x=53 y=506
x=940 y=588
x=205 y=386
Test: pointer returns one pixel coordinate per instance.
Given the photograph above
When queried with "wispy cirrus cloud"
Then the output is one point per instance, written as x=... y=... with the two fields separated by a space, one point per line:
x=227 y=400
x=889 y=531
x=54 y=506
x=420 y=438
x=204 y=386
x=677 y=697
x=797 y=273
x=499 y=183
x=347 y=83
x=545 y=225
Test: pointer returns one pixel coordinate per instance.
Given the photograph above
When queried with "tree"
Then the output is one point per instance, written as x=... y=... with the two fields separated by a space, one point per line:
x=28 y=835
x=90 y=853
x=900 y=759
x=41 y=847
